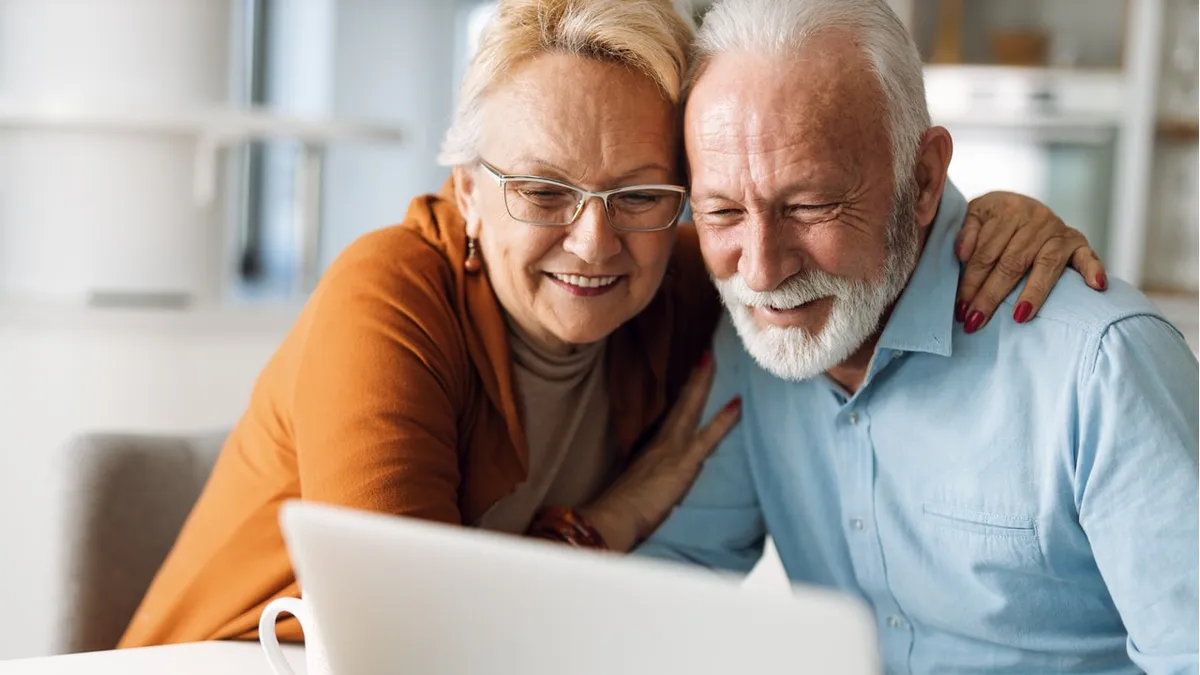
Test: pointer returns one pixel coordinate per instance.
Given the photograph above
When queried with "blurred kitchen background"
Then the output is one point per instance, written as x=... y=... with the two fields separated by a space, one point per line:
x=175 y=175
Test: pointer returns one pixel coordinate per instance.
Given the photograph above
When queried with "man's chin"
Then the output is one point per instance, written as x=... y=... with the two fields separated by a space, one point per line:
x=790 y=353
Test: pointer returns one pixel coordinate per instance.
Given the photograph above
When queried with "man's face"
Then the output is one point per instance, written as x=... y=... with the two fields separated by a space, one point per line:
x=793 y=198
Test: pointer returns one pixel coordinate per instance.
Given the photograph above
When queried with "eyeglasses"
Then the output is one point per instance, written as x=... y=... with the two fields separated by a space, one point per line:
x=552 y=203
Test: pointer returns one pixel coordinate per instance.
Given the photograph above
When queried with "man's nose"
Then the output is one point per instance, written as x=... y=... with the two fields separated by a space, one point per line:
x=591 y=239
x=767 y=258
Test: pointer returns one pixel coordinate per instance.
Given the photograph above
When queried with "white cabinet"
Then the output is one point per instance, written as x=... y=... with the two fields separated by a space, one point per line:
x=1103 y=130
x=84 y=214
x=112 y=150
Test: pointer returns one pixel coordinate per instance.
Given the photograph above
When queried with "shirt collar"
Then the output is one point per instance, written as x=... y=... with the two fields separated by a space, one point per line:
x=923 y=318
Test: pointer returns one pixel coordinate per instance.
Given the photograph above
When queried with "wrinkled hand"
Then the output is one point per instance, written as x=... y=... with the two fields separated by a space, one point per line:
x=641 y=498
x=1006 y=235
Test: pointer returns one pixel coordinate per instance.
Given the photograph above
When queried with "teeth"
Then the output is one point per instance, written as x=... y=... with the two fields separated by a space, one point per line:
x=585 y=282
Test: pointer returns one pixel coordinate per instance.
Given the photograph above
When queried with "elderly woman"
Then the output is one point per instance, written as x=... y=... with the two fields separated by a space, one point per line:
x=525 y=352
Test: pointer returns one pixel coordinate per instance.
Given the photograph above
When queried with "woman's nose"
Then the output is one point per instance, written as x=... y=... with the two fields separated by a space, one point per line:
x=591 y=239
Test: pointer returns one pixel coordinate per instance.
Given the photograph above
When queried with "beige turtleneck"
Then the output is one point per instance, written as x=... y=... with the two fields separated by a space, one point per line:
x=563 y=402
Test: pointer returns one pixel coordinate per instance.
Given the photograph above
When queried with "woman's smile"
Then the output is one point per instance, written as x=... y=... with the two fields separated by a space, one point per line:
x=585 y=286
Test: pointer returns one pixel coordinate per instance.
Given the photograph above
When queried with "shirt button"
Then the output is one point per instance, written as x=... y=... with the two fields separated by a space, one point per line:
x=857 y=523
x=853 y=417
x=895 y=621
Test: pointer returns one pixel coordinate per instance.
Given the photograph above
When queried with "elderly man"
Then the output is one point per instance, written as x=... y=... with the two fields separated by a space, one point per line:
x=1023 y=501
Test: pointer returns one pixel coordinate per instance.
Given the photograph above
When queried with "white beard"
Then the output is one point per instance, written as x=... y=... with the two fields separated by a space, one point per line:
x=858 y=307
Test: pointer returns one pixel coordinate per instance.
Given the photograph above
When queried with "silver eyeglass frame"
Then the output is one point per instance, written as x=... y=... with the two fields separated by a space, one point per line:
x=503 y=179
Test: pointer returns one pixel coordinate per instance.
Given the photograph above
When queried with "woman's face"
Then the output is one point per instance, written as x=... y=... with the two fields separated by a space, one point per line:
x=594 y=125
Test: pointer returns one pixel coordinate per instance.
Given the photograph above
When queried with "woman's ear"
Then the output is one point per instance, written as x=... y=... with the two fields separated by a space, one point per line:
x=465 y=198
x=933 y=163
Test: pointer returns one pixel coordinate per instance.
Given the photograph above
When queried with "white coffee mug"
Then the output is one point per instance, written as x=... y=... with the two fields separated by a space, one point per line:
x=315 y=659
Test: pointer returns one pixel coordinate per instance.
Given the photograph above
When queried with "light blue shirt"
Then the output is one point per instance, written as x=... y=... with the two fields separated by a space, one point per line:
x=1021 y=500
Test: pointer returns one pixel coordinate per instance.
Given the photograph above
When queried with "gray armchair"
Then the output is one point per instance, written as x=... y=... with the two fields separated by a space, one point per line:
x=127 y=498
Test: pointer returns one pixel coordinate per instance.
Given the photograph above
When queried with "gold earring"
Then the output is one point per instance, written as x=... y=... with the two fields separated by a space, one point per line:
x=473 y=264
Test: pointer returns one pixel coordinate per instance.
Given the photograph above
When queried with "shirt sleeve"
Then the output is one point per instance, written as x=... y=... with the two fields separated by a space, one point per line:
x=719 y=524
x=1136 y=486
x=376 y=387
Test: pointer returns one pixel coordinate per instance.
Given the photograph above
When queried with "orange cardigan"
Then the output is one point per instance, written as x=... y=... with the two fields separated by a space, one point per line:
x=393 y=393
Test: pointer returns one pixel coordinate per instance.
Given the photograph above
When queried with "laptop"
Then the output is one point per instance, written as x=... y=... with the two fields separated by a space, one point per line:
x=399 y=595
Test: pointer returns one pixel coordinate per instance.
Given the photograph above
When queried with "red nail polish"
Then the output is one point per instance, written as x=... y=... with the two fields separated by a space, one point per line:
x=974 y=321
x=1102 y=281
x=1024 y=309
x=705 y=359
x=734 y=403
x=960 y=311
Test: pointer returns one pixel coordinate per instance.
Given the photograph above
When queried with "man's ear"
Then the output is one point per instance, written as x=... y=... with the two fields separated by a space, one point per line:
x=465 y=197
x=933 y=163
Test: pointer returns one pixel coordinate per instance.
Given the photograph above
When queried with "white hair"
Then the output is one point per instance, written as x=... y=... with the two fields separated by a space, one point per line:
x=784 y=27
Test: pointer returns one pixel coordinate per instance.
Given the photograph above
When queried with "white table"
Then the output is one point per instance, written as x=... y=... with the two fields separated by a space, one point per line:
x=202 y=658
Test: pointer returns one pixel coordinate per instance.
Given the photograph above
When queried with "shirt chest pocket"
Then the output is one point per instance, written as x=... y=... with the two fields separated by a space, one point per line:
x=981 y=544
x=974 y=567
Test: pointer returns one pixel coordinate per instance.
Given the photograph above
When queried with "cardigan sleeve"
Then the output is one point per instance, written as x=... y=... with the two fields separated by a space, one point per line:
x=378 y=387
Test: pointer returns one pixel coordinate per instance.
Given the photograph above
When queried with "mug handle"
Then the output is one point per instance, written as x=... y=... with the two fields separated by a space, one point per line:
x=266 y=631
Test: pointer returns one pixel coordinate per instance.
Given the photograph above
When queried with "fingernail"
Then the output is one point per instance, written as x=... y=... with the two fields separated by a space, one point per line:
x=960 y=311
x=1102 y=281
x=705 y=359
x=1024 y=309
x=734 y=403
x=974 y=321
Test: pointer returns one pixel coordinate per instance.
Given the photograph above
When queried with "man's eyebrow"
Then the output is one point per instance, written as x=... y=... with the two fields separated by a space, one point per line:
x=696 y=196
x=788 y=192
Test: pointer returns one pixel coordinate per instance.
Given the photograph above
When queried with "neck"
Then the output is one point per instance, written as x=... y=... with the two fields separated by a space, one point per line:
x=541 y=341
x=851 y=372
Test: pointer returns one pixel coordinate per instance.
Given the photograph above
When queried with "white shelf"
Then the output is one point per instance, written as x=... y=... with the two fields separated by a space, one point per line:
x=212 y=130
x=250 y=123
x=30 y=314
x=1008 y=97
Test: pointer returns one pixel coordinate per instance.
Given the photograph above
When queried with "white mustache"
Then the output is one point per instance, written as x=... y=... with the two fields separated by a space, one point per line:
x=793 y=292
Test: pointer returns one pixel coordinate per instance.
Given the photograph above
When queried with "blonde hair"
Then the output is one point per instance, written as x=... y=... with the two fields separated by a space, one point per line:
x=648 y=36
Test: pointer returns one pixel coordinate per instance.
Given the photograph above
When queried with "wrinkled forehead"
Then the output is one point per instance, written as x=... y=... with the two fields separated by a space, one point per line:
x=822 y=103
x=579 y=119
